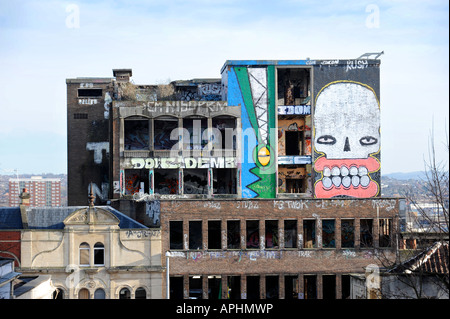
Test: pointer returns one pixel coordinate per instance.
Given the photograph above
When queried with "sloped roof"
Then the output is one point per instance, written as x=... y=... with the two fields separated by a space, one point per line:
x=433 y=260
x=53 y=217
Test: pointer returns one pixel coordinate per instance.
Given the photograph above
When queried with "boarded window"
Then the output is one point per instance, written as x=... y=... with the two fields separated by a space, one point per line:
x=83 y=294
x=252 y=234
x=366 y=238
x=195 y=181
x=271 y=227
x=195 y=234
x=233 y=234
x=176 y=234
x=84 y=254
x=99 y=294
x=347 y=233
x=309 y=233
x=290 y=234
x=272 y=287
x=224 y=181
x=166 y=181
x=328 y=233
x=214 y=234
x=136 y=133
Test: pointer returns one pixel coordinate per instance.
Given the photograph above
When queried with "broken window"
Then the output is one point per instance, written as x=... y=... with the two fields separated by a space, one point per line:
x=234 y=287
x=176 y=287
x=271 y=227
x=253 y=287
x=309 y=233
x=366 y=238
x=293 y=86
x=385 y=225
x=329 y=286
x=233 y=234
x=328 y=233
x=195 y=287
x=290 y=234
x=195 y=181
x=290 y=287
x=176 y=234
x=214 y=234
x=140 y=293
x=252 y=234
x=136 y=134
x=310 y=286
x=347 y=233
x=84 y=254
x=294 y=185
x=224 y=181
x=293 y=142
x=272 y=287
x=124 y=293
x=193 y=134
x=345 y=286
x=136 y=181
x=166 y=181
x=89 y=92
x=164 y=126
x=224 y=134
x=195 y=234
x=214 y=287
x=99 y=254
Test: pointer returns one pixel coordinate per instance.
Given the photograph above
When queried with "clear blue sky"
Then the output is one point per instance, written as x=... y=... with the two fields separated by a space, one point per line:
x=42 y=44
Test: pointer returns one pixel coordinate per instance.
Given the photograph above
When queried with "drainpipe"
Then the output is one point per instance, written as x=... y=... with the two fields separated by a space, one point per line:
x=167 y=276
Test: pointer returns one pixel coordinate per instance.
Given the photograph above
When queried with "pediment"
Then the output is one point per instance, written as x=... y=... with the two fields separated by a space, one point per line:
x=91 y=216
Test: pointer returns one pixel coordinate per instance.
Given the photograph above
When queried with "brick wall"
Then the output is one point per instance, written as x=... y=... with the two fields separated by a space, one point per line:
x=10 y=245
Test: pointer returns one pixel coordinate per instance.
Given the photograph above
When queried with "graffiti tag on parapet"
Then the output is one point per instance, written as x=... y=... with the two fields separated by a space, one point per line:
x=290 y=204
x=138 y=234
x=356 y=64
x=387 y=204
x=247 y=205
x=171 y=107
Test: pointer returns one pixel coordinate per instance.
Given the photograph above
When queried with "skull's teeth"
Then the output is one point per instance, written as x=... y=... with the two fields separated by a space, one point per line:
x=344 y=176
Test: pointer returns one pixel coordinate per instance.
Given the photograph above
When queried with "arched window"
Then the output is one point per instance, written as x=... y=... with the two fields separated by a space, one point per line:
x=84 y=254
x=124 y=293
x=58 y=294
x=140 y=293
x=99 y=254
x=99 y=294
x=83 y=294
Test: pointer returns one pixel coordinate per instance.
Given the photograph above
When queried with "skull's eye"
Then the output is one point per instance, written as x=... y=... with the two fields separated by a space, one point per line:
x=326 y=139
x=368 y=140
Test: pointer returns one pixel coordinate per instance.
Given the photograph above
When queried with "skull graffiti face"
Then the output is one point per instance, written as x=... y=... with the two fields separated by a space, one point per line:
x=346 y=132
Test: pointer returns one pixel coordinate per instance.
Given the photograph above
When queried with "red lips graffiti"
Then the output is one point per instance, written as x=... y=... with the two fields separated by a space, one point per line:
x=349 y=177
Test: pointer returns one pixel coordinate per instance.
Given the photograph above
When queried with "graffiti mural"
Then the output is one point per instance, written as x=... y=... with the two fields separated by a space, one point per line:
x=346 y=141
x=253 y=89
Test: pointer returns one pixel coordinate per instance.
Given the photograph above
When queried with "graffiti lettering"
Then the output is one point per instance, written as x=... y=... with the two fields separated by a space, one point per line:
x=356 y=64
x=294 y=109
x=188 y=162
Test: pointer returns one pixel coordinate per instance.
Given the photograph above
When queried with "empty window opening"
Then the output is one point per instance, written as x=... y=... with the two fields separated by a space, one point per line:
x=233 y=234
x=293 y=86
x=309 y=233
x=163 y=128
x=195 y=287
x=166 y=181
x=89 y=92
x=328 y=233
x=290 y=287
x=310 y=286
x=252 y=234
x=195 y=181
x=253 y=287
x=345 y=281
x=347 y=234
x=176 y=287
x=234 y=287
x=214 y=234
x=293 y=142
x=214 y=287
x=385 y=225
x=366 y=237
x=195 y=234
x=224 y=134
x=80 y=116
x=140 y=293
x=136 y=133
x=290 y=234
x=124 y=293
x=295 y=185
x=271 y=227
x=329 y=286
x=224 y=181
x=136 y=181
x=272 y=287
x=193 y=136
x=176 y=234
x=99 y=254
x=84 y=254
